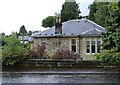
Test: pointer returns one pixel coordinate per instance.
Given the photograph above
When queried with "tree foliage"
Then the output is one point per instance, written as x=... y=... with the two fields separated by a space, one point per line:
x=30 y=33
x=93 y=9
x=108 y=57
x=99 y=13
x=22 y=30
x=107 y=14
x=12 y=51
x=48 y=21
x=70 y=10
x=113 y=30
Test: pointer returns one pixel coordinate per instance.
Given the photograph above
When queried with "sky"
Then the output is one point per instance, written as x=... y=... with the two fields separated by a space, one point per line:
x=15 y=13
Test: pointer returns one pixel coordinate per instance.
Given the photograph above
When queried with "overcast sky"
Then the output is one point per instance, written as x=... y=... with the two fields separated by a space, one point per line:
x=15 y=13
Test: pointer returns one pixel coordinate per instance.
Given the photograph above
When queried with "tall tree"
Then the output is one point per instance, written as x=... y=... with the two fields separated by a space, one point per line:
x=111 y=39
x=107 y=14
x=70 y=10
x=48 y=21
x=22 y=31
x=93 y=9
x=99 y=13
x=114 y=20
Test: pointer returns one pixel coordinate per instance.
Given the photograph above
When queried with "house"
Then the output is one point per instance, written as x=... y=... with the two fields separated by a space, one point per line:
x=24 y=39
x=80 y=35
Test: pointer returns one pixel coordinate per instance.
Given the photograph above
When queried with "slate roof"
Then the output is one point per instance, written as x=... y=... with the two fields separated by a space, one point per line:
x=24 y=38
x=83 y=27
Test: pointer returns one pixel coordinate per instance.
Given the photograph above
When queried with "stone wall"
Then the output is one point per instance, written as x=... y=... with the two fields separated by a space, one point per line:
x=54 y=44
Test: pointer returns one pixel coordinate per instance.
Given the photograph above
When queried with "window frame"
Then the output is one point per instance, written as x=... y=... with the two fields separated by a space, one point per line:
x=96 y=45
x=86 y=47
x=92 y=46
x=75 y=44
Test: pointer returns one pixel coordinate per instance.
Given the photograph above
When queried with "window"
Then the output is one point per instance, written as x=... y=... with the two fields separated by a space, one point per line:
x=98 y=46
x=93 y=47
x=87 y=46
x=73 y=46
x=43 y=43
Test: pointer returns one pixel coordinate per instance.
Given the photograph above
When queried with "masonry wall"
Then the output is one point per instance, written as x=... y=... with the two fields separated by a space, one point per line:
x=54 y=44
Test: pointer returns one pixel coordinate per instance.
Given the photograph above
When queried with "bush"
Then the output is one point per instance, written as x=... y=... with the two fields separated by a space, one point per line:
x=66 y=54
x=12 y=51
x=10 y=57
x=32 y=53
x=108 y=57
x=39 y=52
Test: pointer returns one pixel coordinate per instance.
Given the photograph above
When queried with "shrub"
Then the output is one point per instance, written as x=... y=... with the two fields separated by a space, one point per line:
x=32 y=53
x=12 y=51
x=10 y=57
x=108 y=57
x=38 y=52
x=116 y=59
x=66 y=54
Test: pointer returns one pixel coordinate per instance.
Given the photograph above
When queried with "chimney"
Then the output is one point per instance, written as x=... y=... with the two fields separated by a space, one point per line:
x=58 y=25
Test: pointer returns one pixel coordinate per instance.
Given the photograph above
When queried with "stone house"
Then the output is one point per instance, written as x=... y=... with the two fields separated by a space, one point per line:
x=80 y=35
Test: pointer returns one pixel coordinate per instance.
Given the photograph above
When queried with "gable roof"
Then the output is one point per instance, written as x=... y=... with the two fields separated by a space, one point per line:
x=74 y=28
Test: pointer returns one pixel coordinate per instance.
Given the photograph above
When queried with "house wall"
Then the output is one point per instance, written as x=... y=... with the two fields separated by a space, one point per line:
x=54 y=44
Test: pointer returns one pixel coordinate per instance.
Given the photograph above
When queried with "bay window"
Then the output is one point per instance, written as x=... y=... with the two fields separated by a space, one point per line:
x=93 y=45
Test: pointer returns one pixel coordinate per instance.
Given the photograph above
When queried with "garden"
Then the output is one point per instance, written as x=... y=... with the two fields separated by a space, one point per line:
x=13 y=52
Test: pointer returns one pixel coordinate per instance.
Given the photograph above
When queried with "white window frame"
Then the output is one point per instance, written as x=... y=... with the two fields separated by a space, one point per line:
x=99 y=39
x=71 y=44
x=92 y=39
x=88 y=39
x=86 y=47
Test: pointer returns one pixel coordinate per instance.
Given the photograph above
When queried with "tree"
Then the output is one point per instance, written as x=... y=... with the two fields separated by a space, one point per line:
x=30 y=33
x=114 y=20
x=3 y=34
x=70 y=10
x=22 y=30
x=107 y=14
x=99 y=13
x=111 y=39
x=48 y=21
x=3 y=40
x=12 y=51
x=93 y=9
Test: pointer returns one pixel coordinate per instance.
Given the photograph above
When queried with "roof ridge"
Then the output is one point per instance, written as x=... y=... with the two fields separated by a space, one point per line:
x=95 y=24
x=90 y=30
x=72 y=20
